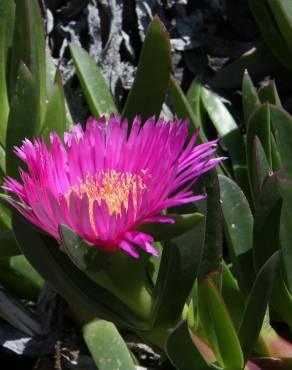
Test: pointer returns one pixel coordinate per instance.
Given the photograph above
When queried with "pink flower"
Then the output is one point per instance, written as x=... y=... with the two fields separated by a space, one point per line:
x=103 y=184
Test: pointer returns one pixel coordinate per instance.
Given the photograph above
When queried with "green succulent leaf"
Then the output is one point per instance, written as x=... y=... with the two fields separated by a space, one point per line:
x=20 y=278
x=238 y=227
x=9 y=247
x=268 y=94
x=285 y=189
x=53 y=78
x=82 y=254
x=92 y=82
x=193 y=96
x=177 y=272
x=55 y=118
x=5 y=217
x=282 y=11
x=256 y=305
x=258 y=125
x=151 y=81
x=260 y=166
x=266 y=222
x=272 y=30
x=56 y=268
x=2 y=160
x=29 y=48
x=232 y=296
x=183 y=109
x=23 y=119
x=250 y=98
x=212 y=252
x=107 y=347
x=183 y=351
x=218 y=113
x=6 y=32
x=282 y=125
x=281 y=299
x=218 y=327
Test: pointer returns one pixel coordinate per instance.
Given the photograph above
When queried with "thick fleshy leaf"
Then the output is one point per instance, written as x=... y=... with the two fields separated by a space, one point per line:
x=106 y=346
x=218 y=113
x=281 y=299
x=250 y=98
x=5 y=217
x=194 y=98
x=232 y=295
x=270 y=363
x=183 y=109
x=258 y=125
x=233 y=143
x=282 y=125
x=68 y=280
x=92 y=82
x=183 y=351
x=23 y=119
x=238 y=227
x=218 y=327
x=212 y=253
x=268 y=94
x=29 y=48
x=2 y=160
x=177 y=272
x=266 y=222
x=282 y=11
x=20 y=278
x=165 y=231
x=51 y=77
x=8 y=244
x=271 y=32
x=6 y=33
x=75 y=247
x=256 y=305
x=55 y=117
x=81 y=253
x=285 y=189
x=259 y=167
x=152 y=76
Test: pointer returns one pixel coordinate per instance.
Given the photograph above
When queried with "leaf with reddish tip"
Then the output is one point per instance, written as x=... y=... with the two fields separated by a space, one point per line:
x=218 y=327
x=256 y=305
x=183 y=351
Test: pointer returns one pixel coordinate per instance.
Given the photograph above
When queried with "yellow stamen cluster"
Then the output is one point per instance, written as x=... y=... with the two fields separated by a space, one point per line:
x=111 y=186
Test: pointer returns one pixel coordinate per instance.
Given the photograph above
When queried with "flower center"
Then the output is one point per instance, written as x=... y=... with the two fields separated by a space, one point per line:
x=113 y=187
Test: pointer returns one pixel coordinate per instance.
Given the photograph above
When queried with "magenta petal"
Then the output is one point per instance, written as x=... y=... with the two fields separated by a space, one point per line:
x=127 y=247
x=104 y=182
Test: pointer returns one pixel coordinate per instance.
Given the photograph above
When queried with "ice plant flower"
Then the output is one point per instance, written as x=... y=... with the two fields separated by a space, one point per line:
x=103 y=182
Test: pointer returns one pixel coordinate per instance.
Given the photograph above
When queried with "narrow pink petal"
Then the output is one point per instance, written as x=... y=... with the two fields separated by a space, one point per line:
x=127 y=247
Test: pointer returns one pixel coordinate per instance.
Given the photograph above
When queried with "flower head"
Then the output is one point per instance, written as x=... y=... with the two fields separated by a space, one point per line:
x=103 y=183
